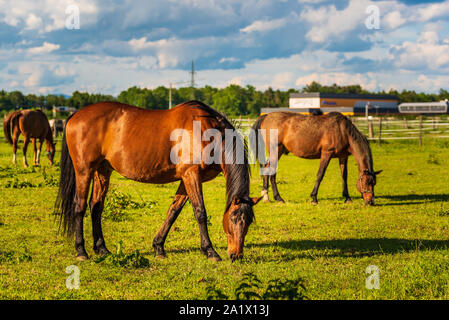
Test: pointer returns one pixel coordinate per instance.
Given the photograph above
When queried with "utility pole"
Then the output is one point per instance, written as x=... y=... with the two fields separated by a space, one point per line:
x=192 y=81
x=169 y=96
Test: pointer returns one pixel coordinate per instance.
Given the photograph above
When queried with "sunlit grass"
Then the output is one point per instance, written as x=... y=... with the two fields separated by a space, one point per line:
x=328 y=246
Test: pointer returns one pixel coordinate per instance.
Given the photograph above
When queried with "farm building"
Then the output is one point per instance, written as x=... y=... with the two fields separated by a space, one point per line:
x=424 y=107
x=348 y=104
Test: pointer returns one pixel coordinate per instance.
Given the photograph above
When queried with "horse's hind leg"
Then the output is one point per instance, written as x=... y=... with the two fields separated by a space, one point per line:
x=325 y=159
x=34 y=152
x=82 y=192
x=24 y=149
x=15 y=140
x=96 y=204
x=266 y=186
x=276 y=194
x=194 y=190
x=344 y=176
x=173 y=213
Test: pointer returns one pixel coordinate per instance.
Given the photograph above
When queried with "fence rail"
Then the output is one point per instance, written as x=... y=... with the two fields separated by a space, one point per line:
x=388 y=128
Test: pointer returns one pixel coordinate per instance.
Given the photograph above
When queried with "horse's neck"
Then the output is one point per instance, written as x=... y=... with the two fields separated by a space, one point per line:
x=237 y=180
x=361 y=155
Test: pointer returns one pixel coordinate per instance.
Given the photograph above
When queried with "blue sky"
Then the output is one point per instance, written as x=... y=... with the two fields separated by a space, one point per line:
x=283 y=44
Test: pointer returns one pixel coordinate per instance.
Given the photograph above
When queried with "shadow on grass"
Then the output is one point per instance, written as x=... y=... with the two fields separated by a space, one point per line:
x=397 y=199
x=350 y=248
x=422 y=197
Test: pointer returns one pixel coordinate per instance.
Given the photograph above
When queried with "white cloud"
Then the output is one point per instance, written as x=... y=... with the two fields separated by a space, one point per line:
x=431 y=11
x=264 y=25
x=230 y=59
x=394 y=19
x=427 y=53
x=33 y=22
x=45 y=48
x=45 y=15
x=329 y=22
x=341 y=78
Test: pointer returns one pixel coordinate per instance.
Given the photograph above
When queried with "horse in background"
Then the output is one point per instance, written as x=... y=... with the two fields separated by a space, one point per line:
x=33 y=125
x=317 y=137
x=57 y=126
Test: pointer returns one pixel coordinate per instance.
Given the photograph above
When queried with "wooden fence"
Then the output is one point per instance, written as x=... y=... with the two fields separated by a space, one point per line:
x=388 y=128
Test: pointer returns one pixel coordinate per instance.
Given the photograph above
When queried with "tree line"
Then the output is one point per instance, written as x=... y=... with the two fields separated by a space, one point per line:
x=234 y=100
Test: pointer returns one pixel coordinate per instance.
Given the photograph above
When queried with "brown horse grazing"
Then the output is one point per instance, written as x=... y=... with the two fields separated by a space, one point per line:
x=318 y=137
x=32 y=124
x=138 y=144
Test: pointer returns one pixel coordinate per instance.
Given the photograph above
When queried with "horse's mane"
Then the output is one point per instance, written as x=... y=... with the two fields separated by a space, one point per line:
x=355 y=134
x=237 y=175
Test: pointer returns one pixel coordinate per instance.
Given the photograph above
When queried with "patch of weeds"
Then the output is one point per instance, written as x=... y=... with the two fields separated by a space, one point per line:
x=250 y=288
x=443 y=212
x=213 y=293
x=433 y=159
x=119 y=259
x=16 y=184
x=49 y=180
x=117 y=202
x=14 y=257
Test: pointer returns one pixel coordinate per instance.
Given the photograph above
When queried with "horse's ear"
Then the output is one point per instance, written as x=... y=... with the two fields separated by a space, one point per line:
x=255 y=200
x=377 y=172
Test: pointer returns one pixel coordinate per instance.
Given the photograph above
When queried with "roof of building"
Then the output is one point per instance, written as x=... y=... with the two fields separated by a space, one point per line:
x=344 y=96
x=424 y=104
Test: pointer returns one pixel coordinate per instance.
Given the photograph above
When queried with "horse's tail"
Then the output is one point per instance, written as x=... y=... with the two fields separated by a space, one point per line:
x=8 y=125
x=254 y=140
x=65 y=201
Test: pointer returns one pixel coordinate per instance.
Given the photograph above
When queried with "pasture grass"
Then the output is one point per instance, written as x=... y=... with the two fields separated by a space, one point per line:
x=320 y=251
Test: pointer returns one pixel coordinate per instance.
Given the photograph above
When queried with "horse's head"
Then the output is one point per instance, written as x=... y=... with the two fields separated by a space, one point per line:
x=236 y=222
x=51 y=150
x=365 y=185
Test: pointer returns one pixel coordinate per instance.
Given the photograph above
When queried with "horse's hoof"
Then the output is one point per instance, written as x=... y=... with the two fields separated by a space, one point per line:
x=161 y=256
x=280 y=200
x=348 y=200
x=266 y=200
x=82 y=258
x=102 y=252
x=214 y=258
x=314 y=202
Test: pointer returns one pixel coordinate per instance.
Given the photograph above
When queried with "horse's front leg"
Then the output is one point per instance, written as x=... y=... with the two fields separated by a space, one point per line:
x=325 y=159
x=173 y=213
x=194 y=190
x=39 y=150
x=344 y=176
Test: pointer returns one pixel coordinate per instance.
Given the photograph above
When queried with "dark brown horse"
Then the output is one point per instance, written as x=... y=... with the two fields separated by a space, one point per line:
x=32 y=124
x=138 y=144
x=317 y=137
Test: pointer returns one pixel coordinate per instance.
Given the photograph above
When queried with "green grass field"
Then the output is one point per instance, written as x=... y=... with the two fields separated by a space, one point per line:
x=328 y=246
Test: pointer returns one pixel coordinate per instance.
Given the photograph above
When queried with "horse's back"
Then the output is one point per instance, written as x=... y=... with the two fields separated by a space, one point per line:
x=307 y=136
x=34 y=124
x=136 y=142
